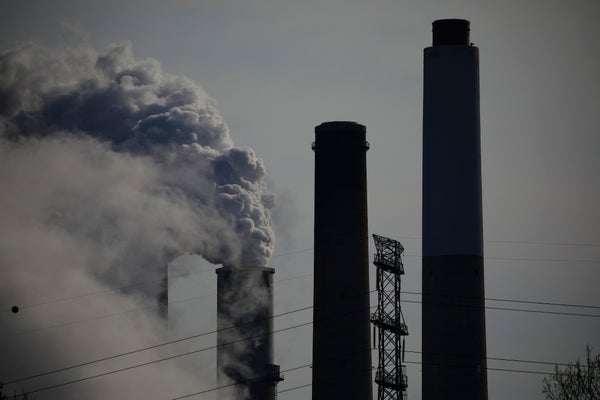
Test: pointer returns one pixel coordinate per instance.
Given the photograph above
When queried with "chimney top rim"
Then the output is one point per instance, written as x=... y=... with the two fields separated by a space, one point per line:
x=229 y=268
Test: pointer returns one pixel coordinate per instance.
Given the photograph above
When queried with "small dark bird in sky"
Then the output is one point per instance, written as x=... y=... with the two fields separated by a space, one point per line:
x=15 y=309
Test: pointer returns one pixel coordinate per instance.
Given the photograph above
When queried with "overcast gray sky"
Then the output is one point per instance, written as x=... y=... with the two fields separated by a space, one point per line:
x=276 y=69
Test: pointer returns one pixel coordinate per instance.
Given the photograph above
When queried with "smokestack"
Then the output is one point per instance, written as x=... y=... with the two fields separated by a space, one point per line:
x=341 y=331
x=245 y=332
x=454 y=346
x=163 y=296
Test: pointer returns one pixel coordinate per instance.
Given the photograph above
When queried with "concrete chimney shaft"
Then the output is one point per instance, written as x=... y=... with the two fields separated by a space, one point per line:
x=453 y=320
x=245 y=331
x=341 y=330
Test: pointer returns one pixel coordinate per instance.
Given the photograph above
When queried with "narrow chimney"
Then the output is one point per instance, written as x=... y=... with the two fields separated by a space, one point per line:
x=454 y=345
x=341 y=330
x=245 y=333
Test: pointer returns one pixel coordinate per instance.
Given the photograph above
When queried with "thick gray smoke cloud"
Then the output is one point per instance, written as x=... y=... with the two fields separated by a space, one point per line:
x=109 y=169
x=201 y=194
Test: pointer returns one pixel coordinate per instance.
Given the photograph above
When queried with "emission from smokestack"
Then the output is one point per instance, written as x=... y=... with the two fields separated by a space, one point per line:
x=245 y=333
x=341 y=330
x=454 y=345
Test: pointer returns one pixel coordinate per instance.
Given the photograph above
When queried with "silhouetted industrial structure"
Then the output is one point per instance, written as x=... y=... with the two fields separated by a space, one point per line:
x=341 y=330
x=453 y=346
x=388 y=319
x=245 y=332
x=163 y=296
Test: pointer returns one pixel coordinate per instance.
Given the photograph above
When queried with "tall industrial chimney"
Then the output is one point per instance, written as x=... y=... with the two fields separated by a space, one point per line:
x=341 y=331
x=245 y=333
x=454 y=346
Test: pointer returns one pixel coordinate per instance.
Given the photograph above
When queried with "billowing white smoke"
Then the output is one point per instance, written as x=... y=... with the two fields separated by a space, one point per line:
x=147 y=168
x=109 y=169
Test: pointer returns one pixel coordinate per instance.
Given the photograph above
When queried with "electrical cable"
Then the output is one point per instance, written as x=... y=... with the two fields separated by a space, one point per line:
x=497 y=308
x=309 y=249
x=159 y=360
x=236 y=383
x=504 y=309
x=180 y=355
x=419 y=363
x=545 y=243
x=78 y=321
x=306 y=275
x=545 y=303
x=164 y=344
x=282 y=314
x=138 y=309
x=148 y=348
x=563 y=260
x=355 y=372
x=134 y=284
x=565 y=244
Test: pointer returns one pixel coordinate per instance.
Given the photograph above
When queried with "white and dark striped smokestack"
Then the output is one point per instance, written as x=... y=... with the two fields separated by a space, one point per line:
x=245 y=333
x=341 y=330
x=454 y=345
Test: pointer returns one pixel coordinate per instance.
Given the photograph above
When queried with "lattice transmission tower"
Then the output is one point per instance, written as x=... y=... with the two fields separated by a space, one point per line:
x=388 y=319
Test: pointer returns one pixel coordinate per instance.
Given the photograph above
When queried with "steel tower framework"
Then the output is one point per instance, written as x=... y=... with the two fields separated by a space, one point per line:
x=389 y=321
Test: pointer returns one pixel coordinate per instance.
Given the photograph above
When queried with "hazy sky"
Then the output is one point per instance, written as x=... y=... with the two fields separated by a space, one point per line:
x=276 y=69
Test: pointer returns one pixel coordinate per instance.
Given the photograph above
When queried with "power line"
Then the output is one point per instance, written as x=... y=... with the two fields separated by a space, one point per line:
x=293 y=252
x=563 y=260
x=408 y=301
x=282 y=280
x=565 y=244
x=111 y=290
x=524 y=242
x=511 y=258
x=310 y=249
x=294 y=388
x=370 y=368
x=545 y=303
x=236 y=383
x=486 y=368
x=506 y=309
x=488 y=358
x=78 y=321
x=372 y=291
x=160 y=360
x=166 y=358
x=138 y=283
x=259 y=377
x=147 y=348
x=163 y=344
x=127 y=311
x=421 y=363
x=485 y=298
x=175 y=341
x=214 y=347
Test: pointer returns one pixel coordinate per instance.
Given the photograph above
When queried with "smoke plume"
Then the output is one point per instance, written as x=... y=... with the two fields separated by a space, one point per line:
x=110 y=168
x=149 y=168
